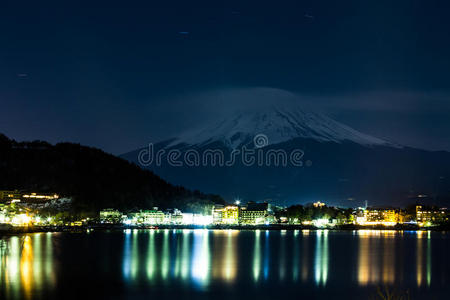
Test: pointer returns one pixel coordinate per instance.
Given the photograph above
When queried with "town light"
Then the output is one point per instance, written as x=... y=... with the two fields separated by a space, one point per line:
x=202 y=220
x=320 y=223
x=21 y=219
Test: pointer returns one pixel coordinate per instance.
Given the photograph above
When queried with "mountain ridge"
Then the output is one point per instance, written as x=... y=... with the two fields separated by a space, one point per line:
x=92 y=177
x=278 y=124
x=343 y=163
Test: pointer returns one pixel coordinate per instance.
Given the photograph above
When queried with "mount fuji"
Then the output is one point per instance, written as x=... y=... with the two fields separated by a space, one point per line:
x=340 y=165
x=279 y=124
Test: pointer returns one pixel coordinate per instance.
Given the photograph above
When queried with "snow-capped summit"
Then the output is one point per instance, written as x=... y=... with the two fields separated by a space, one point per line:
x=279 y=124
x=343 y=163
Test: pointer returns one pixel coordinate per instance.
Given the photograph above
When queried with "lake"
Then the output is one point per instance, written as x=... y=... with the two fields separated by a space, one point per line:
x=224 y=264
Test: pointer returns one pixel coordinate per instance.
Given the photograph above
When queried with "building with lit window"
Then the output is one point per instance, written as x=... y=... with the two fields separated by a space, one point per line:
x=35 y=196
x=173 y=216
x=152 y=216
x=318 y=204
x=10 y=196
x=374 y=214
x=230 y=215
x=379 y=216
x=111 y=216
x=254 y=213
x=428 y=215
x=217 y=214
x=18 y=196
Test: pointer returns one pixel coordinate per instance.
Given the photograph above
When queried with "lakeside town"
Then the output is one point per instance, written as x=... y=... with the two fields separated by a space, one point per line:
x=28 y=210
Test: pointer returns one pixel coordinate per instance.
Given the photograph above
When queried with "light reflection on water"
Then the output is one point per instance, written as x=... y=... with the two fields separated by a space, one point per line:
x=203 y=254
x=257 y=256
x=321 y=258
x=26 y=265
x=423 y=258
x=151 y=257
x=202 y=259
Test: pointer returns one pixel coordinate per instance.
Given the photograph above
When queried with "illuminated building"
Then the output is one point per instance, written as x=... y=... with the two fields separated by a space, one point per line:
x=34 y=196
x=358 y=215
x=188 y=218
x=270 y=219
x=217 y=214
x=15 y=215
x=21 y=220
x=17 y=196
x=322 y=223
x=110 y=215
x=8 y=196
x=402 y=216
x=428 y=215
x=283 y=219
x=318 y=204
x=174 y=217
x=379 y=216
x=230 y=215
x=199 y=219
x=254 y=213
x=153 y=216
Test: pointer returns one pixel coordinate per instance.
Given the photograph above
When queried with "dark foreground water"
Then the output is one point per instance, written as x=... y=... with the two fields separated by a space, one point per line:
x=224 y=264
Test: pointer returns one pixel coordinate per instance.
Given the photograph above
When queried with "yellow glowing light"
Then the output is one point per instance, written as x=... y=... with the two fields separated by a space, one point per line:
x=20 y=220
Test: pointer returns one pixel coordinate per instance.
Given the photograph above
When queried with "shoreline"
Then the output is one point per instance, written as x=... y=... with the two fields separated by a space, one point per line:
x=275 y=227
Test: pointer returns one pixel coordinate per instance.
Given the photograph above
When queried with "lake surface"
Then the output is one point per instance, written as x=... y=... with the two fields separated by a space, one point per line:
x=224 y=264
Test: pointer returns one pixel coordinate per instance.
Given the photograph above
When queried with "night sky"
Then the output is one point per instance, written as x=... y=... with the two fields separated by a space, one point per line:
x=117 y=75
